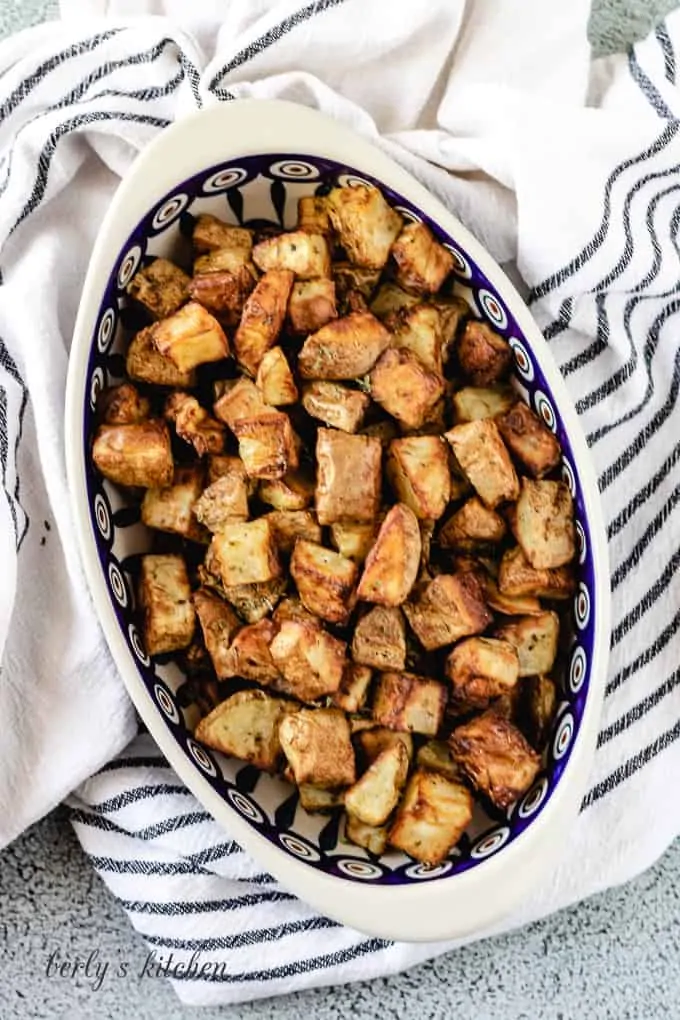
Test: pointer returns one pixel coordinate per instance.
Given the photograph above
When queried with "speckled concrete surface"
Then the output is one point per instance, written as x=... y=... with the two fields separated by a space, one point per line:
x=614 y=957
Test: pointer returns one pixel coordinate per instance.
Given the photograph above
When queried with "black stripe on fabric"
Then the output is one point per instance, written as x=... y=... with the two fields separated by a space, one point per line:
x=598 y=346
x=556 y=279
x=636 y=713
x=9 y=365
x=650 y=652
x=243 y=938
x=183 y=908
x=647 y=87
x=4 y=456
x=650 y=532
x=123 y=800
x=150 y=832
x=647 y=601
x=138 y=761
x=215 y=853
x=632 y=766
x=147 y=868
x=664 y=41
x=563 y=320
x=643 y=494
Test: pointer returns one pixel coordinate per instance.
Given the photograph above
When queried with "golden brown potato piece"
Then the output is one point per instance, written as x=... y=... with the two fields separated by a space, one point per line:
x=422 y=263
x=219 y=623
x=452 y=312
x=483 y=355
x=266 y=444
x=335 y=405
x=544 y=524
x=475 y=402
x=482 y=455
x=225 y=500
x=374 y=796
x=275 y=379
x=317 y=745
x=370 y=837
x=190 y=337
x=392 y=565
x=418 y=329
x=246 y=726
x=253 y=602
x=240 y=398
x=509 y=605
x=495 y=757
x=225 y=260
x=402 y=385
x=325 y=581
x=310 y=659
x=539 y=703
x=348 y=478
x=354 y=540
x=436 y=756
x=245 y=553
x=372 y=742
x=535 y=638
x=411 y=703
x=449 y=607
x=390 y=299
x=304 y=254
x=472 y=526
x=165 y=601
x=249 y=655
x=223 y=292
x=380 y=639
x=365 y=223
x=517 y=578
x=289 y=525
x=481 y=669
x=295 y=491
x=171 y=508
x=311 y=305
x=145 y=363
x=134 y=454
x=525 y=435
x=193 y=424
x=263 y=315
x=418 y=470
x=122 y=405
x=220 y=464
x=353 y=690
x=316 y=800
x=313 y=215
x=161 y=288
x=433 y=815
x=351 y=279
x=344 y=348
x=211 y=234
x=292 y=609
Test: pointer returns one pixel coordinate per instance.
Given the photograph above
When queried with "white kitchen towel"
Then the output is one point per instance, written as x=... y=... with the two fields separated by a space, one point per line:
x=572 y=172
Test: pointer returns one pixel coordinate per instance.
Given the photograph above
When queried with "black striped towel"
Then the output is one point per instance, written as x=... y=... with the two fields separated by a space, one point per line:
x=569 y=170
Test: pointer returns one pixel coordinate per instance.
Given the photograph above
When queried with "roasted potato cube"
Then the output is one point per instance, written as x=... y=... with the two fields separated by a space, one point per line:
x=171 y=508
x=134 y=454
x=348 y=479
x=380 y=639
x=353 y=279
x=246 y=726
x=525 y=435
x=385 y=430
x=316 y=800
x=317 y=745
x=403 y=386
x=449 y=607
x=407 y=702
x=353 y=690
x=354 y=540
x=253 y=602
x=249 y=655
x=292 y=609
x=370 y=837
x=289 y=525
x=225 y=260
x=422 y=263
x=392 y=565
x=266 y=444
x=452 y=312
x=495 y=757
x=372 y=742
x=374 y=796
x=122 y=405
x=219 y=623
x=480 y=451
x=245 y=553
x=275 y=379
x=335 y=405
x=224 y=292
x=418 y=329
x=473 y=403
x=190 y=337
x=483 y=355
x=193 y=424
x=225 y=500
x=165 y=601
x=311 y=304
x=365 y=223
x=263 y=315
x=344 y=348
x=481 y=669
x=313 y=215
x=310 y=660
x=390 y=299
x=517 y=578
x=471 y=526
x=359 y=723
x=295 y=491
x=544 y=524
x=211 y=234
x=509 y=605
x=418 y=470
x=433 y=815
x=302 y=253
x=535 y=638
x=161 y=288
x=325 y=581
x=241 y=398
x=145 y=363
x=220 y=464
x=436 y=755
x=539 y=702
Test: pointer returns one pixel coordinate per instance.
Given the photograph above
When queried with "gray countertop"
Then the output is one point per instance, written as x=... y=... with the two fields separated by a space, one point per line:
x=614 y=957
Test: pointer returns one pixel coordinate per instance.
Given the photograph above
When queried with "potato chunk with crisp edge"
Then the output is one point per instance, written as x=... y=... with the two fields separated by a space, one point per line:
x=482 y=455
x=374 y=796
x=366 y=225
x=348 y=479
x=262 y=319
x=190 y=337
x=302 y=253
x=446 y=609
x=418 y=470
x=325 y=581
x=245 y=552
x=165 y=601
x=134 y=455
x=161 y=288
x=392 y=565
x=404 y=701
x=404 y=387
x=495 y=757
x=379 y=639
x=434 y=813
x=310 y=659
x=344 y=348
x=422 y=263
x=246 y=726
x=318 y=747
x=544 y=524
x=335 y=405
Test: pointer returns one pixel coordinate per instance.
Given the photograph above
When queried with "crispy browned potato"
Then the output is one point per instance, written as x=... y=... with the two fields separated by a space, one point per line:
x=353 y=690
x=245 y=552
x=365 y=224
x=290 y=525
x=380 y=639
x=473 y=403
x=193 y=424
x=171 y=508
x=539 y=703
x=145 y=363
x=525 y=435
x=535 y=638
x=275 y=379
x=436 y=756
x=165 y=601
x=310 y=659
x=517 y=578
x=350 y=279
x=418 y=329
x=344 y=348
x=417 y=468
x=483 y=355
x=452 y=312
x=224 y=292
x=403 y=386
x=240 y=398
x=336 y=405
x=318 y=747
x=472 y=526
x=325 y=581
x=422 y=263
x=544 y=523
x=313 y=215
x=482 y=455
x=266 y=444
x=348 y=477
x=509 y=605
x=481 y=669
x=304 y=254
x=311 y=304
x=262 y=319
x=225 y=260
x=495 y=757
x=161 y=288
x=246 y=726
x=211 y=234
x=385 y=430
x=407 y=702
x=219 y=623
x=374 y=796
x=220 y=464
x=391 y=566
x=354 y=539
x=372 y=742
x=134 y=455
x=447 y=608
x=295 y=491
x=225 y=500
x=317 y=800
x=390 y=299
x=433 y=815
x=249 y=655
x=190 y=337
x=370 y=837
x=292 y=609
x=253 y=602
x=122 y=405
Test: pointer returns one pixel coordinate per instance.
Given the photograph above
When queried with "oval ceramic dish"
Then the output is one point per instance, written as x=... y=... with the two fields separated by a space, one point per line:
x=249 y=162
